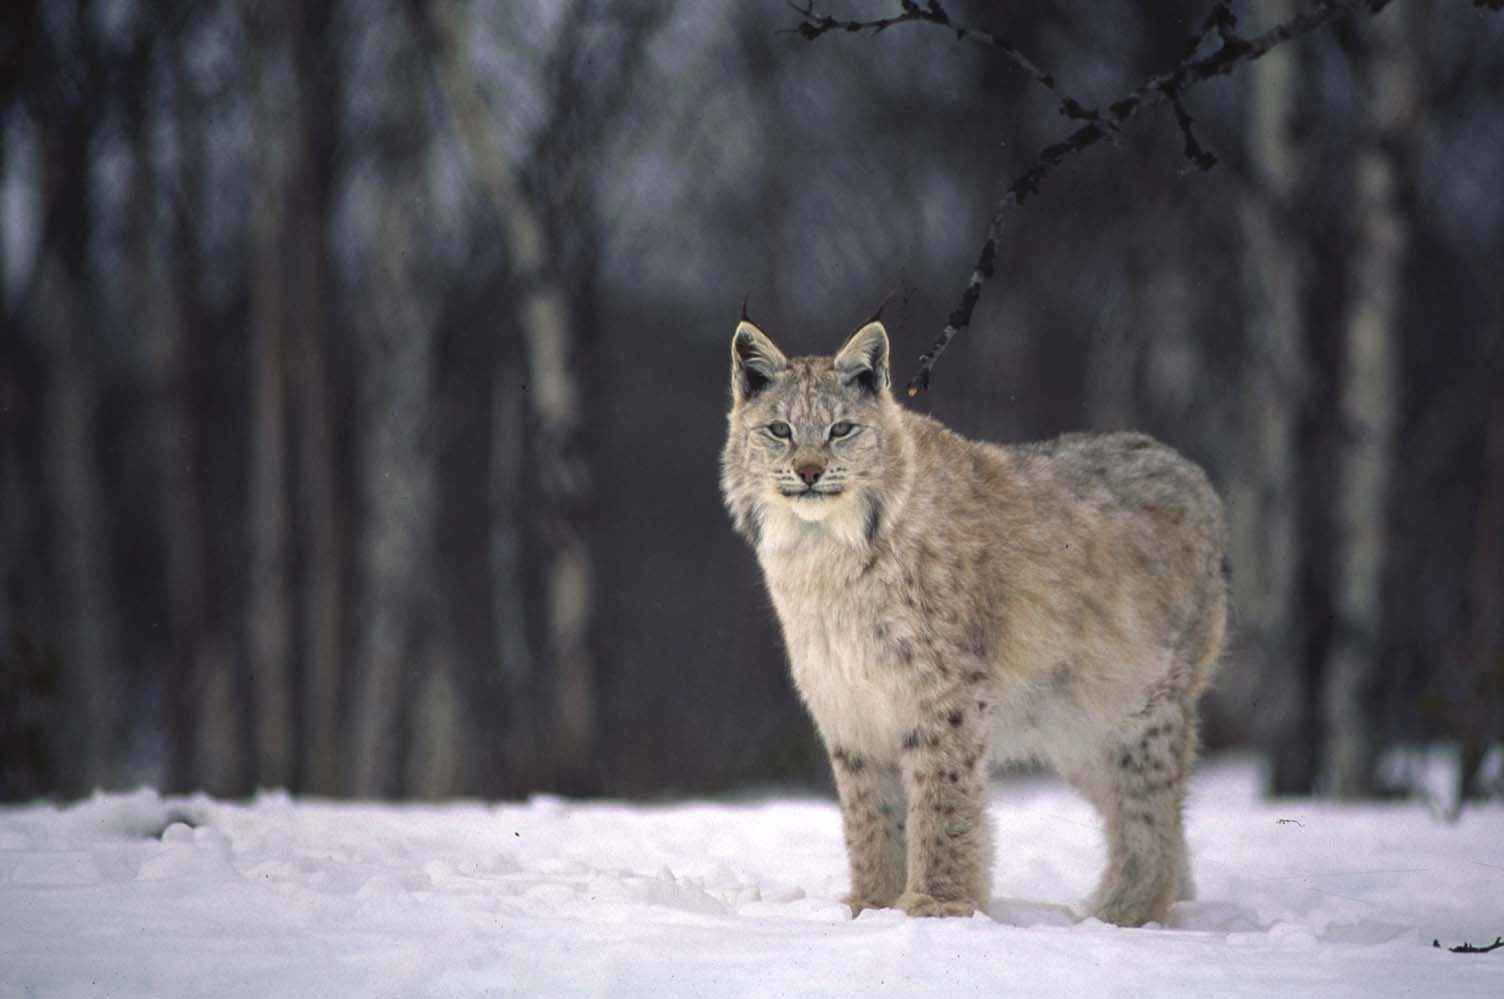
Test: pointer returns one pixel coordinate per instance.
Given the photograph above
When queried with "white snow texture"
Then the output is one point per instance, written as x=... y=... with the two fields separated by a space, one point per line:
x=137 y=895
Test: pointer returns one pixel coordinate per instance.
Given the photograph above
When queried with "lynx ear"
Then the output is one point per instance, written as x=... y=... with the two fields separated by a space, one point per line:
x=864 y=359
x=755 y=362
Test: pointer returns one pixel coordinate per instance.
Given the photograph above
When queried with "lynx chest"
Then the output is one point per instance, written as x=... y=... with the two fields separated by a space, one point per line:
x=838 y=623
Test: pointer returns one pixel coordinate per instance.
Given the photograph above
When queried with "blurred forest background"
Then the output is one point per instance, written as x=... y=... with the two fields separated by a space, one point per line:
x=364 y=367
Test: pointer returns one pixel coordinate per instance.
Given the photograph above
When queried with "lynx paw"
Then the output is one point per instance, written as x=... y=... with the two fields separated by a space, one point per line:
x=919 y=904
x=1124 y=909
x=858 y=904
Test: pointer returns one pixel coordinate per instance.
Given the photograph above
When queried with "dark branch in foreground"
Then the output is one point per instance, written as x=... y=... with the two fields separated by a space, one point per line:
x=1464 y=947
x=1231 y=51
x=814 y=25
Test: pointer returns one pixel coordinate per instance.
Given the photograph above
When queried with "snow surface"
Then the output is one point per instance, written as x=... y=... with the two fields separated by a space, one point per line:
x=139 y=895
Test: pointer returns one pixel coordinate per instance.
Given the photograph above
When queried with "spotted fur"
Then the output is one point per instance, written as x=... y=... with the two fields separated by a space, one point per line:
x=946 y=602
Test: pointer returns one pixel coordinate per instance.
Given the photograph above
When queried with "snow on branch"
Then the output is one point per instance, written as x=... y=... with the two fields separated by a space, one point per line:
x=1230 y=51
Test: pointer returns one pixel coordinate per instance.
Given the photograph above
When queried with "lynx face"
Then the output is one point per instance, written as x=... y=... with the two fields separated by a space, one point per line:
x=808 y=433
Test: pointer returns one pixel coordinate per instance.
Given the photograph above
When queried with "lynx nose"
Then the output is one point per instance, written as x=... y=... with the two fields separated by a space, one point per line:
x=810 y=473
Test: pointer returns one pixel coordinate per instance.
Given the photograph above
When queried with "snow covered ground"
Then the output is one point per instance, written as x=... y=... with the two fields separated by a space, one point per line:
x=117 y=896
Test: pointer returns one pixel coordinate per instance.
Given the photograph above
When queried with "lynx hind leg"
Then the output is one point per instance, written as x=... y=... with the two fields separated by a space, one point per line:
x=873 y=818
x=1139 y=788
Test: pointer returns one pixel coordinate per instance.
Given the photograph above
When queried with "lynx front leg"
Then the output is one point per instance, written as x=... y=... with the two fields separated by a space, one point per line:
x=872 y=813
x=949 y=849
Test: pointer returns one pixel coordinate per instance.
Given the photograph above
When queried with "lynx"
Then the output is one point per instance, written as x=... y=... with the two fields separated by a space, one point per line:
x=946 y=603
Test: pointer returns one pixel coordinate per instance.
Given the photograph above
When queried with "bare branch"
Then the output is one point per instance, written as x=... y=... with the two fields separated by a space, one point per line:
x=812 y=25
x=1200 y=158
x=1467 y=948
x=1232 y=51
x=1220 y=19
x=1166 y=88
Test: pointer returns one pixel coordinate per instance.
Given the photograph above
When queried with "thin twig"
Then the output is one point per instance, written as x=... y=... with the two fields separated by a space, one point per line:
x=1200 y=158
x=812 y=25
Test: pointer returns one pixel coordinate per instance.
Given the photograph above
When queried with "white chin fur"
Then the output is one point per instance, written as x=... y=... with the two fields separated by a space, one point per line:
x=812 y=509
x=793 y=523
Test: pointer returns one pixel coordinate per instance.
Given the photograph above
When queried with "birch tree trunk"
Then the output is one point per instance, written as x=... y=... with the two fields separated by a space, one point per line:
x=554 y=402
x=1368 y=391
x=397 y=486
x=394 y=660
x=1263 y=501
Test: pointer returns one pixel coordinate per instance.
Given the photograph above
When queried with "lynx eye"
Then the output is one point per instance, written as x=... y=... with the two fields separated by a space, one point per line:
x=841 y=429
x=780 y=430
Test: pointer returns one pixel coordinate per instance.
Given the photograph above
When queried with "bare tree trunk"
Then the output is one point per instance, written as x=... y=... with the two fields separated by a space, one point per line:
x=86 y=612
x=567 y=567
x=1263 y=501
x=323 y=589
x=1368 y=390
x=200 y=659
x=433 y=765
x=555 y=403
x=319 y=528
x=86 y=617
x=397 y=491
x=508 y=568
x=269 y=614
x=15 y=503
x=397 y=655
x=168 y=435
x=1480 y=709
